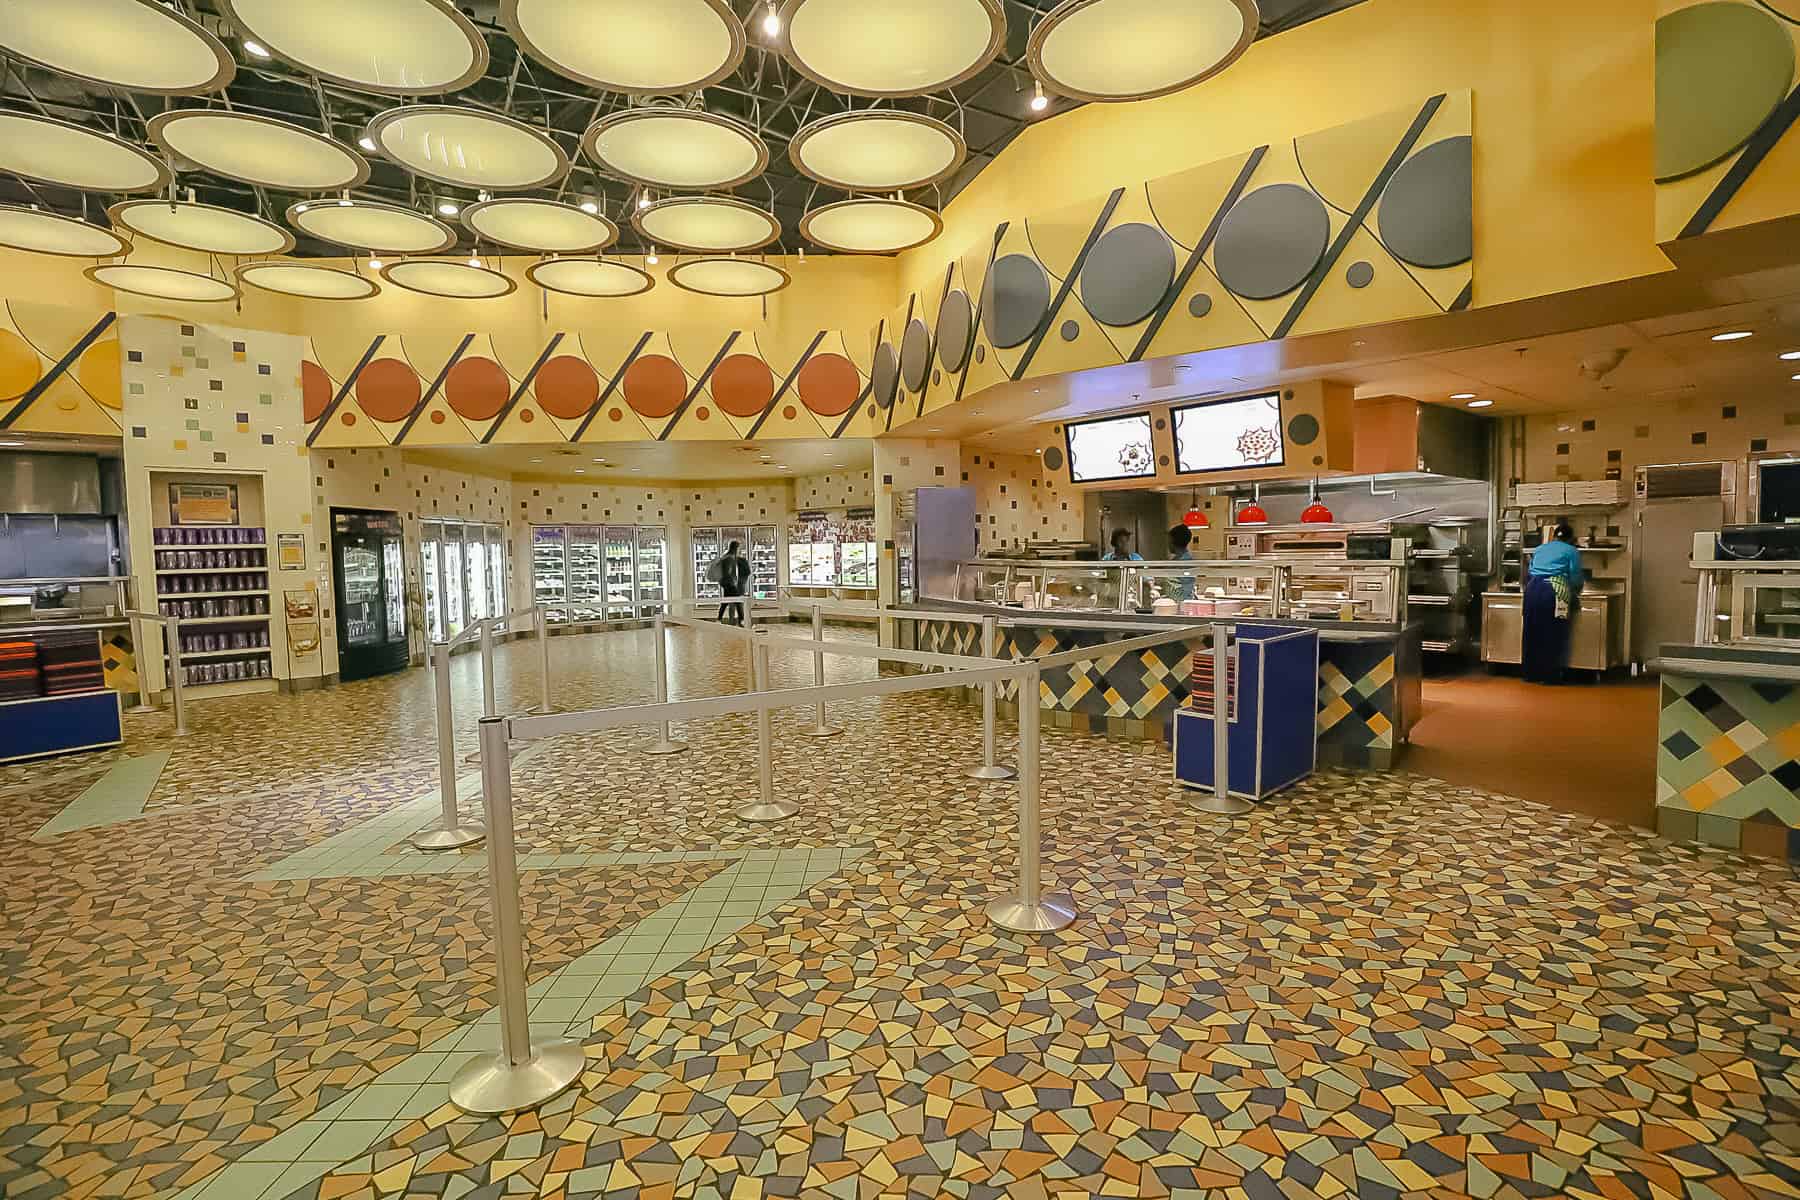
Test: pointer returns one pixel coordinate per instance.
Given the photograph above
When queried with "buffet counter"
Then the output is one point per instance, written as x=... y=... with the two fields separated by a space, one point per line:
x=1369 y=673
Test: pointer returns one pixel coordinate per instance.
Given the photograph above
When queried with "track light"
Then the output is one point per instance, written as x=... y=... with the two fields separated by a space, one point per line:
x=652 y=257
x=366 y=142
x=255 y=48
x=1039 y=101
x=644 y=198
x=374 y=264
x=448 y=208
x=771 y=21
x=474 y=260
x=589 y=207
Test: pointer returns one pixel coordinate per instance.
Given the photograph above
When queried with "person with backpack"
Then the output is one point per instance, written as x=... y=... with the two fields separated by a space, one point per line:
x=734 y=580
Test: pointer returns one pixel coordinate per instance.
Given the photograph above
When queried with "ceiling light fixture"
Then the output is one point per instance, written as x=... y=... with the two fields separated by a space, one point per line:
x=771 y=22
x=395 y=47
x=366 y=142
x=162 y=283
x=368 y=225
x=1736 y=335
x=680 y=149
x=449 y=279
x=256 y=48
x=310 y=282
x=1481 y=404
x=133 y=45
x=639 y=47
x=46 y=150
x=652 y=258
x=1462 y=395
x=595 y=277
x=879 y=48
x=374 y=264
x=870 y=225
x=448 y=208
x=27 y=228
x=546 y=226
x=258 y=150
x=474 y=260
x=729 y=277
x=589 y=207
x=1791 y=356
x=467 y=147
x=707 y=224
x=1039 y=101
x=1134 y=49
x=203 y=227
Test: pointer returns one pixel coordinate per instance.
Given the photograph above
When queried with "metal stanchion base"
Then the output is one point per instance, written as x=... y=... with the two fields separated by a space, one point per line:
x=1053 y=911
x=774 y=810
x=822 y=731
x=993 y=772
x=491 y=1086
x=453 y=838
x=1223 y=806
x=539 y=710
x=669 y=747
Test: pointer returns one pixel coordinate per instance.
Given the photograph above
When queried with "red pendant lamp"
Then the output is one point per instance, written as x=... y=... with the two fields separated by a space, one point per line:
x=1193 y=518
x=1253 y=513
x=1316 y=513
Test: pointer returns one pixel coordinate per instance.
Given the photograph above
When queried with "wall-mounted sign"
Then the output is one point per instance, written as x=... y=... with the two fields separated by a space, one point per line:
x=1110 y=448
x=1228 y=435
x=203 y=503
x=290 y=551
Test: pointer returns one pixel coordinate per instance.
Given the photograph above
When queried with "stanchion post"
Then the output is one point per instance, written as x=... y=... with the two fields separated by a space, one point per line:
x=452 y=834
x=521 y=1076
x=766 y=807
x=1221 y=801
x=543 y=641
x=665 y=742
x=1033 y=910
x=138 y=653
x=172 y=635
x=487 y=667
x=989 y=768
x=821 y=728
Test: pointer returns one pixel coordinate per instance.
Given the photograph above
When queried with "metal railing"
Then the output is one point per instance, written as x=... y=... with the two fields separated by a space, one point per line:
x=454 y=833
x=169 y=629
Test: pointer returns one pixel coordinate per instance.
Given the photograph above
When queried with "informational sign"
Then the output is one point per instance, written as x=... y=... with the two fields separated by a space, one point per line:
x=1110 y=448
x=290 y=551
x=203 y=503
x=1228 y=435
x=300 y=603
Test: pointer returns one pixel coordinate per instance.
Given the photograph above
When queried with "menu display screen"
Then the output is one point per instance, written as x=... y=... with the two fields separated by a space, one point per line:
x=1110 y=448
x=1228 y=435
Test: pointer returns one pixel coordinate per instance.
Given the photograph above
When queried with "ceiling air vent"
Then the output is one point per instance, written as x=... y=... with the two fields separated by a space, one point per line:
x=1676 y=481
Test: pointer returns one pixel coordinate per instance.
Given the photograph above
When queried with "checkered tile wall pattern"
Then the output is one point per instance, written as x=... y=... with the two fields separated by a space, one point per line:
x=1728 y=764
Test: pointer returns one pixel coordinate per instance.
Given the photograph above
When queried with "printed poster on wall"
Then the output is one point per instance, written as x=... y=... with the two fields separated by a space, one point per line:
x=203 y=503
x=290 y=551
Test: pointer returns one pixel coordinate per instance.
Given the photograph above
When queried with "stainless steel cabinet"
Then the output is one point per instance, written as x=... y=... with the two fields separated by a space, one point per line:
x=1596 y=636
x=1502 y=627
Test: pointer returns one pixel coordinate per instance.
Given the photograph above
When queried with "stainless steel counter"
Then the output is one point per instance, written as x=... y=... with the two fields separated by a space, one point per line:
x=1736 y=661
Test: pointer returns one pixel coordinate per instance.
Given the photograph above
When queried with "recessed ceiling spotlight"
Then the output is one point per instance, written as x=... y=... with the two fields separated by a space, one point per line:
x=537 y=460
x=1039 y=101
x=637 y=469
x=1481 y=403
x=581 y=470
x=1736 y=335
x=1795 y=378
x=449 y=208
x=256 y=48
x=1462 y=395
x=1791 y=356
x=1040 y=451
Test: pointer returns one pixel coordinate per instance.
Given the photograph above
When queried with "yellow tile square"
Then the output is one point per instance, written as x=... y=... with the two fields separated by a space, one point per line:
x=181 y=443
x=242 y=427
x=1723 y=750
x=1383 y=672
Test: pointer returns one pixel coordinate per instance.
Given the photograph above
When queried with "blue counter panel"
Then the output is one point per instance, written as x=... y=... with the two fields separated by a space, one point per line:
x=58 y=724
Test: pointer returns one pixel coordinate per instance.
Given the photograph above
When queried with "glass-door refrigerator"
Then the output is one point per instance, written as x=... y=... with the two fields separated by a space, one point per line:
x=621 y=572
x=429 y=534
x=587 y=573
x=496 y=540
x=706 y=547
x=652 y=571
x=765 y=563
x=475 y=577
x=550 y=569
x=453 y=569
x=368 y=568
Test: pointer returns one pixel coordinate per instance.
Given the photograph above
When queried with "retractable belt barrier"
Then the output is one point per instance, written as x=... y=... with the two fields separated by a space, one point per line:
x=169 y=629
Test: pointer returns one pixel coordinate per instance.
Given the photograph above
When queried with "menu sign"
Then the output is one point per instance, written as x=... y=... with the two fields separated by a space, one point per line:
x=203 y=503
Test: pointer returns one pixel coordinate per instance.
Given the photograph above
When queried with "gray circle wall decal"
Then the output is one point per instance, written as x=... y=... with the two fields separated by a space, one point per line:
x=1360 y=274
x=1127 y=274
x=981 y=354
x=915 y=355
x=1427 y=209
x=1271 y=240
x=1200 y=305
x=1303 y=430
x=1053 y=457
x=1070 y=330
x=955 y=331
x=884 y=377
x=1014 y=300
x=1721 y=69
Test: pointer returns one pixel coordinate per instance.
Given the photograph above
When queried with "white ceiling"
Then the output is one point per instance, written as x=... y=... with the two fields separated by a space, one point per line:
x=637 y=461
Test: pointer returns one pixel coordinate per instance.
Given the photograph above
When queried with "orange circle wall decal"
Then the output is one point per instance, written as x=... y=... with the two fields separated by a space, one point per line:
x=743 y=385
x=388 y=389
x=315 y=390
x=98 y=372
x=829 y=385
x=19 y=366
x=655 y=386
x=477 y=389
x=566 y=387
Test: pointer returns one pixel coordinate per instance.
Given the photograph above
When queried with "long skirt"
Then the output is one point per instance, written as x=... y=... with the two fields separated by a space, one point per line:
x=1544 y=651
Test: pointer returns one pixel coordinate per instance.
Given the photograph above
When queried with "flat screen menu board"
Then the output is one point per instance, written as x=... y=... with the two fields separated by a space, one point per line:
x=1110 y=448
x=1228 y=435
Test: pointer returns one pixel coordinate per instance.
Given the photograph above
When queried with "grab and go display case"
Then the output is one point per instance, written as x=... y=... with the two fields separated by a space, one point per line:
x=1303 y=589
x=833 y=554
x=583 y=573
x=761 y=544
x=462 y=573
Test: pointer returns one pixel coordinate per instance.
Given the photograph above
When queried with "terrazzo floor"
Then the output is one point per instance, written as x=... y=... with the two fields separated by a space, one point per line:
x=1373 y=986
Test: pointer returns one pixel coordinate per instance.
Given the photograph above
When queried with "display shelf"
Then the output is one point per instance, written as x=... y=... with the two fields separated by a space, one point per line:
x=231 y=687
x=194 y=655
x=210 y=595
x=165 y=547
x=223 y=620
x=209 y=570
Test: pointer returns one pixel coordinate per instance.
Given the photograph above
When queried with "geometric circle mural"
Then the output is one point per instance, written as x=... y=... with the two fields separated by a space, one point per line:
x=477 y=389
x=1014 y=300
x=829 y=385
x=315 y=390
x=1425 y=209
x=98 y=372
x=1270 y=241
x=1303 y=430
x=915 y=355
x=655 y=386
x=743 y=385
x=955 y=328
x=885 y=374
x=1360 y=274
x=20 y=366
x=1127 y=274
x=566 y=387
x=388 y=390
x=1721 y=69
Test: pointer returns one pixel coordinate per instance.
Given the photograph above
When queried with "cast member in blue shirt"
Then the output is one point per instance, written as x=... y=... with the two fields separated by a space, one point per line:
x=1552 y=596
x=1119 y=551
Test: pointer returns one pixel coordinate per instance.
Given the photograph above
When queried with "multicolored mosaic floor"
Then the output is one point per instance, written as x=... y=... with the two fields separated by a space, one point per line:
x=1374 y=986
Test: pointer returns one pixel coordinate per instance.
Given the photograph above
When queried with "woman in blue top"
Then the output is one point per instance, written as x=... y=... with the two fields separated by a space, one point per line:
x=1551 y=595
x=1120 y=551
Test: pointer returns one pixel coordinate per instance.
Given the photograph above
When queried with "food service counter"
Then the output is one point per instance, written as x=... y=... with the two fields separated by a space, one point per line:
x=1369 y=672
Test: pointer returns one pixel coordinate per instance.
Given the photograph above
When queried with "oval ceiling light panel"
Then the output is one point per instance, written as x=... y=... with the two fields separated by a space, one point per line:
x=45 y=150
x=201 y=227
x=367 y=225
x=728 y=277
x=162 y=283
x=465 y=147
x=1133 y=49
x=877 y=150
x=310 y=282
x=677 y=148
x=397 y=47
x=258 y=150
x=447 y=278
x=589 y=277
x=870 y=225
x=40 y=232
x=138 y=45
x=883 y=48
x=707 y=224
x=542 y=225
x=639 y=47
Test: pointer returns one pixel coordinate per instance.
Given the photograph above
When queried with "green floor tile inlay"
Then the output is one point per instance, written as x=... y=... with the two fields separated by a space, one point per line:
x=118 y=795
